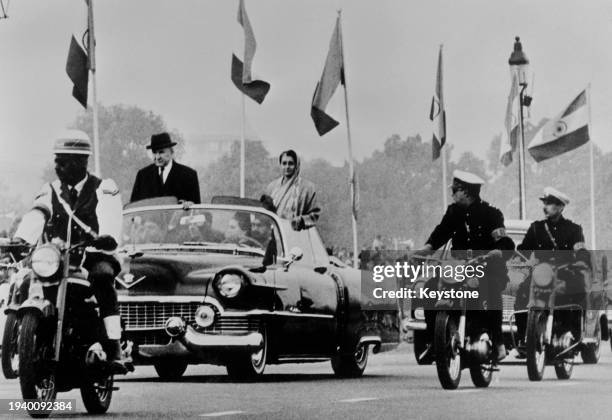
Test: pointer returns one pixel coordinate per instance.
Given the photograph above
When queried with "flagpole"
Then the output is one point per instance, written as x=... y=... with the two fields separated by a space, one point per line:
x=591 y=172
x=444 y=157
x=521 y=141
x=92 y=67
x=444 y=186
x=96 y=130
x=242 y=147
x=350 y=146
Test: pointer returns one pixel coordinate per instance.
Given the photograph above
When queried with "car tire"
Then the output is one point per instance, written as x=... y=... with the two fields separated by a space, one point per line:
x=249 y=366
x=592 y=351
x=170 y=369
x=350 y=365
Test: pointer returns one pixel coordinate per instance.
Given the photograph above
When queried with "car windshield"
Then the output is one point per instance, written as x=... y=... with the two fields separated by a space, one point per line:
x=213 y=228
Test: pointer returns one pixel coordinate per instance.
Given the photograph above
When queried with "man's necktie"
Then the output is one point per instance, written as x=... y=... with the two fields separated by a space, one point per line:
x=73 y=194
x=161 y=176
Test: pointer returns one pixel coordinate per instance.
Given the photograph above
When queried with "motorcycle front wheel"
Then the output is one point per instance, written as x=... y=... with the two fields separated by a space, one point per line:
x=10 y=351
x=97 y=394
x=446 y=348
x=36 y=373
x=536 y=349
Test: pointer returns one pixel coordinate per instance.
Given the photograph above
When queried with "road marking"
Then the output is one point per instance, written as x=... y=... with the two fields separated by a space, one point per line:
x=354 y=400
x=222 y=413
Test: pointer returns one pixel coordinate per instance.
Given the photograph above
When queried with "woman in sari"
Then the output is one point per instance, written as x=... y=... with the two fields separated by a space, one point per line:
x=294 y=197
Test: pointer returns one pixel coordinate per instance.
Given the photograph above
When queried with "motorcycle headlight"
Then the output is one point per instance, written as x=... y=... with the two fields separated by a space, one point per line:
x=542 y=275
x=45 y=261
x=419 y=313
x=229 y=285
x=473 y=282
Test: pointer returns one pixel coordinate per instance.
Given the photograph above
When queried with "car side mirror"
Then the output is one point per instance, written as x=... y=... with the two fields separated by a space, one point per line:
x=295 y=254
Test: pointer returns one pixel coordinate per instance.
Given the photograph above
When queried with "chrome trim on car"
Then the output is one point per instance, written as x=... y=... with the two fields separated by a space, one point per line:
x=159 y=299
x=508 y=328
x=415 y=324
x=198 y=341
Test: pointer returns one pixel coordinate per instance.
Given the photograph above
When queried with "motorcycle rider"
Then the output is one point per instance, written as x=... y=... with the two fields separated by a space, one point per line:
x=558 y=238
x=473 y=224
x=96 y=205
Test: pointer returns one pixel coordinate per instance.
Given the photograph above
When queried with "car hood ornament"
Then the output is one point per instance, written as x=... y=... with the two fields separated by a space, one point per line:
x=128 y=281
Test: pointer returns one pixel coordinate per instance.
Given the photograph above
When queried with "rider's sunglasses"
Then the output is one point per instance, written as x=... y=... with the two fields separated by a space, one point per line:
x=456 y=188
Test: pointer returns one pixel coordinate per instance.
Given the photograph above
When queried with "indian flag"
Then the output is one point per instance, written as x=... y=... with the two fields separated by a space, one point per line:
x=567 y=131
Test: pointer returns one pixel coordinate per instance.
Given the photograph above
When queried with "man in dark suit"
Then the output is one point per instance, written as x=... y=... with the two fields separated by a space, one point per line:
x=165 y=177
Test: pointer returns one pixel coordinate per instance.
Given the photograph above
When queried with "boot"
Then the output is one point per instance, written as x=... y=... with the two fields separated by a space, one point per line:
x=499 y=353
x=116 y=362
x=112 y=324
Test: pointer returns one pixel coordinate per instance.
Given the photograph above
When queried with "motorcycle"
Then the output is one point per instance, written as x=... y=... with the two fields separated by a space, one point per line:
x=59 y=342
x=18 y=285
x=554 y=330
x=461 y=334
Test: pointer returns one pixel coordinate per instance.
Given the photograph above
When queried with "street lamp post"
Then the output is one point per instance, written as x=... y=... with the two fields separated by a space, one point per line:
x=519 y=65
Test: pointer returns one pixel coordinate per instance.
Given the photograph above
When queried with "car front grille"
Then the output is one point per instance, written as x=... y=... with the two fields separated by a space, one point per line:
x=233 y=325
x=153 y=315
x=508 y=306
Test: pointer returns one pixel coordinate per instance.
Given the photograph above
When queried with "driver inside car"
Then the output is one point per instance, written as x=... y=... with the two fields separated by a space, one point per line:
x=96 y=203
x=473 y=224
x=239 y=230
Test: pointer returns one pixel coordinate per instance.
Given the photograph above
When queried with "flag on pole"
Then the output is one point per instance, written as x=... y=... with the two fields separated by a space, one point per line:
x=81 y=59
x=78 y=72
x=333 y=75
x=565 y=132
x=241 y=71
x=510 y=137
x=437 y=114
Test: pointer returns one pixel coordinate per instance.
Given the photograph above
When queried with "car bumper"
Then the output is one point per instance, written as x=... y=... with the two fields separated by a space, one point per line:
x=193 y=344
x=412 y=324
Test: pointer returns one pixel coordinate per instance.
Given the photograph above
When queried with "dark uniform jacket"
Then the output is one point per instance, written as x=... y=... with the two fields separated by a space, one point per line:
x=182 y=183
x=477 y=227
x=564 y=235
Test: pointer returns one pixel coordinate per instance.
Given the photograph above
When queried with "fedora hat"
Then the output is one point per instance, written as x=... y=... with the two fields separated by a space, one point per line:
x=160 y=141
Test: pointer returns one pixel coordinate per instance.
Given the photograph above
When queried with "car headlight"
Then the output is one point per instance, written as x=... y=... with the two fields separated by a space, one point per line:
x=229 y=285
x=45 y=261
x=542 y=275
x=204 y=316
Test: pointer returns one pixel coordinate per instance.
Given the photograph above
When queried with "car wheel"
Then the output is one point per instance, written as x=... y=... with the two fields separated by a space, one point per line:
x=350 y=365
x=170 y=369
x=249 y=366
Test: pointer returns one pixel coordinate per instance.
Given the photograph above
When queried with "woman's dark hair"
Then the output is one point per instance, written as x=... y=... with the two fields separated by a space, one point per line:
x=291 y=153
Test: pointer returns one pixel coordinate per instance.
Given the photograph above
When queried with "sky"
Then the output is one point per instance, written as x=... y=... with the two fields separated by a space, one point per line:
x=173 y=57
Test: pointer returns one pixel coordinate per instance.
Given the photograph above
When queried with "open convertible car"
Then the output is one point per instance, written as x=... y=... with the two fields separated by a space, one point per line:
x=232 y=284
